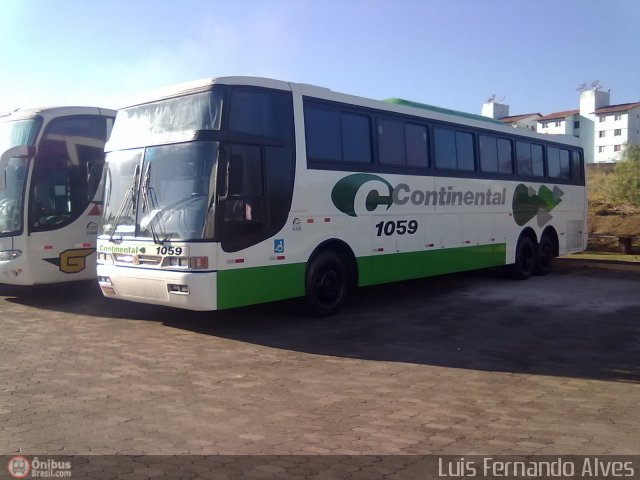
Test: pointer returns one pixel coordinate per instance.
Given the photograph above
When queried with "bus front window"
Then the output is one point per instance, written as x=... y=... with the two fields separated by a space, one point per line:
x=151 y=123
x=165 y=196
x=176 y=189
x=13 y=171
x=18 y=132
x=122 y=175
x=14 y=174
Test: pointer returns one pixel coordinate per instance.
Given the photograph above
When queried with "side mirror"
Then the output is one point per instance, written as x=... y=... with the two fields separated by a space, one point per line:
x=21 y=152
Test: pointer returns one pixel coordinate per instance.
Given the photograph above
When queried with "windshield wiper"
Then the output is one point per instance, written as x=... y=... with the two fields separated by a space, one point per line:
x=128 y=202
x=150 y=205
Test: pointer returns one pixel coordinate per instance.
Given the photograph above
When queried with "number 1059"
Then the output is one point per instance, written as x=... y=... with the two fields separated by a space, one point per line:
x=400 y=227
x=169 y=251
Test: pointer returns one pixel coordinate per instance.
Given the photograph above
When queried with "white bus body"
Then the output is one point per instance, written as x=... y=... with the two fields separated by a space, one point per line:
x=239 y=190
x=50 y=194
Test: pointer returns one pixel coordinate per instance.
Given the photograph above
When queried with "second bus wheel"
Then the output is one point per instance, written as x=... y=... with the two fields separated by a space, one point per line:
x=326 y=284
x=544 y=258
x=525 y=259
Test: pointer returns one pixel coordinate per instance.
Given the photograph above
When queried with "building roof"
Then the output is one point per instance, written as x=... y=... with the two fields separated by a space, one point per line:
x=556 y=115
x=517 y=118
x=618 y=108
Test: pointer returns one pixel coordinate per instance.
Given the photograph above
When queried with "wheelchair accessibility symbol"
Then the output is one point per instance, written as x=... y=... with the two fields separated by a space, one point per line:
x=278 y=246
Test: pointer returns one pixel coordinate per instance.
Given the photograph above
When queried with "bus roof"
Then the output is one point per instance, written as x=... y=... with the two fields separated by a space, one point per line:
x=433 y=108
x=393 y=104
x=57 y=112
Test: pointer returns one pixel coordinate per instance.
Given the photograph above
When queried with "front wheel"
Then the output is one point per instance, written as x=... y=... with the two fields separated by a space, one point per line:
x=326 y=284
x=525 y=259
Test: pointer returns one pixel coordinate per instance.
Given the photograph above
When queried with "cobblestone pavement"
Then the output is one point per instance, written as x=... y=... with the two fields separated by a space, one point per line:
x=460 y=364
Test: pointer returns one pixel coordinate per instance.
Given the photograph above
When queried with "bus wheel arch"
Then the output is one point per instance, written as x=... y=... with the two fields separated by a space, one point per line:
x=526 y=255
x=330 y=274
x=548 y=249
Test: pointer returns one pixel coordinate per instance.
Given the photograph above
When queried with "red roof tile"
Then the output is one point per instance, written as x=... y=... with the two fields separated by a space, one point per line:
x=556 y=115
x=618 y=108
x=516 y=118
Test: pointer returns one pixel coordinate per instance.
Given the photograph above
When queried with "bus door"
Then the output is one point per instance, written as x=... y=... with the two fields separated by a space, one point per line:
x=64 y=205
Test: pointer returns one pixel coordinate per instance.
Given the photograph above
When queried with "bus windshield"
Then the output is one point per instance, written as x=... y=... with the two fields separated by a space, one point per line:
x=137 y=126
x=18 y=132
x=163 y=192
x=14 y=171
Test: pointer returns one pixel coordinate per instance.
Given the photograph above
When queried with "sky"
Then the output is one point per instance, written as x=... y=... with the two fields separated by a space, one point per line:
x=531 y=55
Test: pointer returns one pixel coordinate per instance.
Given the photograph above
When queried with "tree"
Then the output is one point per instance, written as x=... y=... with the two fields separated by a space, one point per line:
x=625 y=184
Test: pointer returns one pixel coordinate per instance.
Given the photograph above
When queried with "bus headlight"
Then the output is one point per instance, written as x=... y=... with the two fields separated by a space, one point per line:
x=9 y=255
x=198 y=263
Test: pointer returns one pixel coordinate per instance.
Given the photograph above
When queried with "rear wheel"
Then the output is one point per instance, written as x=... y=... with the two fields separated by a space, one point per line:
x=544 y=257
x=525 y=259
x=326 y=284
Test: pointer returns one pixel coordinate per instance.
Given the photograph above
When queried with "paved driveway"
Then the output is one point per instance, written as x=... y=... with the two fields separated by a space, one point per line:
x=462 y=364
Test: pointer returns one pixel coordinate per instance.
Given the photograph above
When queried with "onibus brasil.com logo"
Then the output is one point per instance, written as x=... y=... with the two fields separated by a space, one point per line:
x=20 y=467
x=526 y=203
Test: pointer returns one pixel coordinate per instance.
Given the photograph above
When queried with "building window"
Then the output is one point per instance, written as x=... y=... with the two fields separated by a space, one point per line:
x=558 y=124
x=601 y=119
x=601 y=134
x=576 y=125
x=617 y=148
x=617 y=131
x=543 y=125
x=617 y=116
x=601 y=149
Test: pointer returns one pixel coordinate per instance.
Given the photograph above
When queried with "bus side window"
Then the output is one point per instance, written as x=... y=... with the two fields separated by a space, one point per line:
x=537 y=160
x=255 y=181
x=576 y=166
x=454 y=150
x=553 y=162
x=488 y=153
x=243 y=189
x=505 y=156
x=523 y=159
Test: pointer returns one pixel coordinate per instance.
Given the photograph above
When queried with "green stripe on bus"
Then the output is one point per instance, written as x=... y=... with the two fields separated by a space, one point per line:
x=378 y=269
x=249 y=286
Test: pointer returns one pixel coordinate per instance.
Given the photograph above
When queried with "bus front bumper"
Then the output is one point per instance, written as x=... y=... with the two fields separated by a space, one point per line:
x=15 y=271
x=188 y=290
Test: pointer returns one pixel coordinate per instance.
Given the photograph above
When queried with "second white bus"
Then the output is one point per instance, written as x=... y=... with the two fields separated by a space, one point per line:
x=51 y=163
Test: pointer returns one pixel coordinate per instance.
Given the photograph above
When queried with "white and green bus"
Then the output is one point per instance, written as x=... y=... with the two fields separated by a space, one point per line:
x=239 y=190
x=51 y=163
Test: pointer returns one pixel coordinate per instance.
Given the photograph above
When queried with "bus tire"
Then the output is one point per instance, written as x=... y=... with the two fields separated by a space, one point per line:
x=525 y=259
x=326 y=284
x=544 y=256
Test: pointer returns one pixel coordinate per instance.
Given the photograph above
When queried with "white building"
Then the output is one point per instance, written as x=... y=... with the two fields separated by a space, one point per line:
x=500 y=111
x=603 y=129
x=527 y=120
x=615 y=126
x=560 y=123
